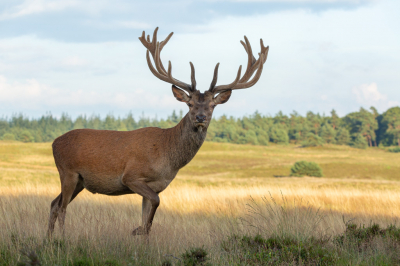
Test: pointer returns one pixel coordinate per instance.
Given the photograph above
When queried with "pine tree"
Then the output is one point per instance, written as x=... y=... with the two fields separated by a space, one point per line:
x=328 y=134
x=312 y=140
x=278 y=134
x=359 y=142
x=390 y=127
x=343 y=136
x=334 y=119
x=362 y=122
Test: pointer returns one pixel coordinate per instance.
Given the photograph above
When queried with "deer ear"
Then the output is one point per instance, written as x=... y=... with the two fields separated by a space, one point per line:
x=223 y=97
x=180 y=95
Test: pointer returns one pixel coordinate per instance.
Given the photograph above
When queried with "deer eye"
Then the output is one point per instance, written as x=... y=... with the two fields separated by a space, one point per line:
x=190 y=105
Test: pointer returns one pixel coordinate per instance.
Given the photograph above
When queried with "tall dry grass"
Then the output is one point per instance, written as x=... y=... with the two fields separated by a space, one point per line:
x=191 y=215
x=209 y=201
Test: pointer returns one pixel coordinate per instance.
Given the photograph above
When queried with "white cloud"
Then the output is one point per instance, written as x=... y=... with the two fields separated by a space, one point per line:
x=305 y=1
x=74 y=61
x=131 y=24
x=33 y=94
x=29 y=7
x=16 y=91
x=369 y=95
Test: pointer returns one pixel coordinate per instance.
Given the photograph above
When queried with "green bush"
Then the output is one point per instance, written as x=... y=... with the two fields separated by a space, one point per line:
x=394 y=149
x=26 y=136
x=303 y=168
x=8 y=136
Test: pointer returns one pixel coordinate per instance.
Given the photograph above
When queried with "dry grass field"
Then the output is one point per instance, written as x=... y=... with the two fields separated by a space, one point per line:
x=226 y=190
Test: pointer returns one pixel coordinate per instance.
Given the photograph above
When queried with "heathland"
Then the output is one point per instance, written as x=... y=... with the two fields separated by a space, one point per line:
x=235 y=202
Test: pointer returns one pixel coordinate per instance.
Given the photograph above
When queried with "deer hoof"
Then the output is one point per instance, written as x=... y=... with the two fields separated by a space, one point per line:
x=139 y=231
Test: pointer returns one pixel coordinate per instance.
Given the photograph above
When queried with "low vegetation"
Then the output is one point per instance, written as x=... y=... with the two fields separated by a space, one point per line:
x=303 y=168
x=227 y=207
x=394 y=149
x=357 y=245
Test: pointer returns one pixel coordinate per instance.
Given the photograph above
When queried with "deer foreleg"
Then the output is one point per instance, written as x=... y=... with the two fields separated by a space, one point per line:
x=151 y=201
x=146 y=208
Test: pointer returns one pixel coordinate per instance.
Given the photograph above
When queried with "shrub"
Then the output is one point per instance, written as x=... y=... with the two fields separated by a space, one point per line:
x=8 y=136
x=303 y=168
x=26 y=136
x=394 y=149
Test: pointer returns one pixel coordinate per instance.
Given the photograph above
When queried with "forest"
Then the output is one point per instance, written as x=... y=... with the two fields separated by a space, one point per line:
x=362 y=129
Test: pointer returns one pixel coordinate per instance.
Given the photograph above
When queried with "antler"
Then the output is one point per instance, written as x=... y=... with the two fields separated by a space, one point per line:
x=155 y=48
x=252 y=66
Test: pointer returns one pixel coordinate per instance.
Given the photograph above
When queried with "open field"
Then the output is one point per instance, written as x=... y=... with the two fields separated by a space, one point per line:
x=210 y=200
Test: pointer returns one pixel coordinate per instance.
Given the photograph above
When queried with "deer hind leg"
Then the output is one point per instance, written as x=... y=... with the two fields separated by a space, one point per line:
x=150 y=203
x=55 y=205
x=71 y=186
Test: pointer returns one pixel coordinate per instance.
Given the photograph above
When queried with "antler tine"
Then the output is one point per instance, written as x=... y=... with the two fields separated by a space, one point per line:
x=250 y=60
x=157 y=60
x=154 y=48
x=252 y=66
x=215 y=78
x=229 y=86
x=176 y=82
x=255 y=78
x=163 y=43
x=192 y=76
x=153 y=70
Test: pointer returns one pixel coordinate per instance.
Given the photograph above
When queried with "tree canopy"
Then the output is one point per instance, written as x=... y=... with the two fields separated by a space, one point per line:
x=358 y=129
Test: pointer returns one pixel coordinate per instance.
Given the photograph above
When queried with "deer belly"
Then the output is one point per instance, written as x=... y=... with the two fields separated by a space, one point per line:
x=105 y=185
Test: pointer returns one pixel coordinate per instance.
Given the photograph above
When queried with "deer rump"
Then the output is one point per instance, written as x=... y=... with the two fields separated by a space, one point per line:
x=103 y=158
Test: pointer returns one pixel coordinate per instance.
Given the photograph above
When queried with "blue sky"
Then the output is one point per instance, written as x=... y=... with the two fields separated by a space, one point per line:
x=84 y=57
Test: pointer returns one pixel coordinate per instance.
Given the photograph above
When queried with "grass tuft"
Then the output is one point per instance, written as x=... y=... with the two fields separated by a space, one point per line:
x=195 y=256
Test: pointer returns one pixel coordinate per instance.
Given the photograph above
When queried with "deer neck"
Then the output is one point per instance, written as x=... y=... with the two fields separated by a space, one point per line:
x=185 y=141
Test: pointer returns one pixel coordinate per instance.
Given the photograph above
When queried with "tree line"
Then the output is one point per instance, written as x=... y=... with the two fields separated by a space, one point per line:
x=358 y=129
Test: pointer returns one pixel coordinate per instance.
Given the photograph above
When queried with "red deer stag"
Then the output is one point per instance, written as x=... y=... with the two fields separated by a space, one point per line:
x=146 y=160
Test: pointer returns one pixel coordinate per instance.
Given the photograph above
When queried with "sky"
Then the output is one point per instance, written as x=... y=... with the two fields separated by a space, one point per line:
x=84 y=57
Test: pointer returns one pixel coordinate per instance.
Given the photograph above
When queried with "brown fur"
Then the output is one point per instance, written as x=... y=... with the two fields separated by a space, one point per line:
x=142 y=161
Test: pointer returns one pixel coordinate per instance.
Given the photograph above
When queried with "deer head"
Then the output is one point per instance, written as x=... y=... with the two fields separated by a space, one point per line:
x=201 y=105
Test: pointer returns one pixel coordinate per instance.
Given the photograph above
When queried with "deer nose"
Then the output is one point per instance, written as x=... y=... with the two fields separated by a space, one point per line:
x=200 y=118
